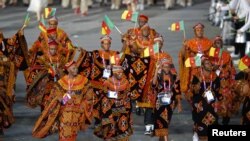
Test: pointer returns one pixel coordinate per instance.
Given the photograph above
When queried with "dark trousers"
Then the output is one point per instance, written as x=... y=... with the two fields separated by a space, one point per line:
x=239 y=47
x=148 y=116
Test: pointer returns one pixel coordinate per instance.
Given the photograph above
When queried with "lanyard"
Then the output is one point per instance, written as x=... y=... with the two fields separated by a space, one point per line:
x=103 y=61
x=3 y=46
x=115 y=84
x=70 y=85
x=199 y=46
x=204 y=81
x=169 y=84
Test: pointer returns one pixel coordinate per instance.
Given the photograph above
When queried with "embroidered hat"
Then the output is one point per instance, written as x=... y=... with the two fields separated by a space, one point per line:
x=54 y=18
x=106 y=37
x=143 y=18
x=53 y=42
x=69 y=64
x=117 y=68
x=198 y=25
x=218 y=38
x=165 y=62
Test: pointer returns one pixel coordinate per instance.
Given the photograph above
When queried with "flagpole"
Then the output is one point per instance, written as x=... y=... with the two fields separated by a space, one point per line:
x=184 y=34
x=135 y=25
x=118 y=29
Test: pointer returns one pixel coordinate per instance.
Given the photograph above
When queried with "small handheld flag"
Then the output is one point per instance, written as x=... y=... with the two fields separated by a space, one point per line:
x=49 y=12
x=130 y=16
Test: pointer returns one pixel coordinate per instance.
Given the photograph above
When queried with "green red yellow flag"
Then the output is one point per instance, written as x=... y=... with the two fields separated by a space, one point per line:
x=177 y=26
x=151 y=50
x=49 y=12
x=130 y=16
x=193 y=61
x=42 y=27
x=108 y=22
x=115 y=59
x=215 y=52
x=244 y=63
x=105 y=29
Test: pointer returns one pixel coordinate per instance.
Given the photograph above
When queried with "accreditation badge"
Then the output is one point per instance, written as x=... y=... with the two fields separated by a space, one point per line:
x=106 y=73
x=217 y=72
x=209 y=95
x=112 y=94
x=66 y=98
x=164 y=98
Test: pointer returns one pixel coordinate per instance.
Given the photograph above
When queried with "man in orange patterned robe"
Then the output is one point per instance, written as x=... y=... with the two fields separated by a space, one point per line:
x=13 y=57
x=47 y=69
x=69 y=107
x=55 y=33
x=199 y=44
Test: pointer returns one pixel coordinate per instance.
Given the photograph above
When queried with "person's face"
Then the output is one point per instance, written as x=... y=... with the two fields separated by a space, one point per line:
x=199 y=32
x=141 y=23
x=106 y=45
x=166 y=69
x=218 y=44
x=73 y=70
x=52 y=50
x=207 y=65
x=118 y=74
x=53 y=24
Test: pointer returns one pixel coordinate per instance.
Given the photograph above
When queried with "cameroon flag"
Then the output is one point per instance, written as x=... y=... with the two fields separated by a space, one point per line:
x=105 y=29
x=177 y=26
x=49 y=12
x=244 y=63
x=193 y=61
x=42 y=27
x=130 y=16
x=215 y=52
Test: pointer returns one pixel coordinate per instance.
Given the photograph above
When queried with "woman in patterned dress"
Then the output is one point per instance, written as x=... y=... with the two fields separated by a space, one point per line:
x=167 y=87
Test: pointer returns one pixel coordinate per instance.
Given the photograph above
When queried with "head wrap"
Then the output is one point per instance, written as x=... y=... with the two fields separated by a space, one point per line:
x=53 y=42
x=69 y=64
x=117 y=68
x=106 y=37
x=199 y=25
x=54 y=18
x=143 y=18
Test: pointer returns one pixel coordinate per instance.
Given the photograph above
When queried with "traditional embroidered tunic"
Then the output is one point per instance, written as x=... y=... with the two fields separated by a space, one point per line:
x=224 y=64
x=115 y=117
x=190 y=49
x=70 y=117
x=163 y=113
x=148 y=96
x=243 y=79
x=203 y=112
x=13 y=57
x=100 y=60
x=43 y=75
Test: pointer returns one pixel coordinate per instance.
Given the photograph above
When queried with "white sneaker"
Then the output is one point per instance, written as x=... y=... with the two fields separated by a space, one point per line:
x=195 y=137
x=233 y=55
x=148 y=130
